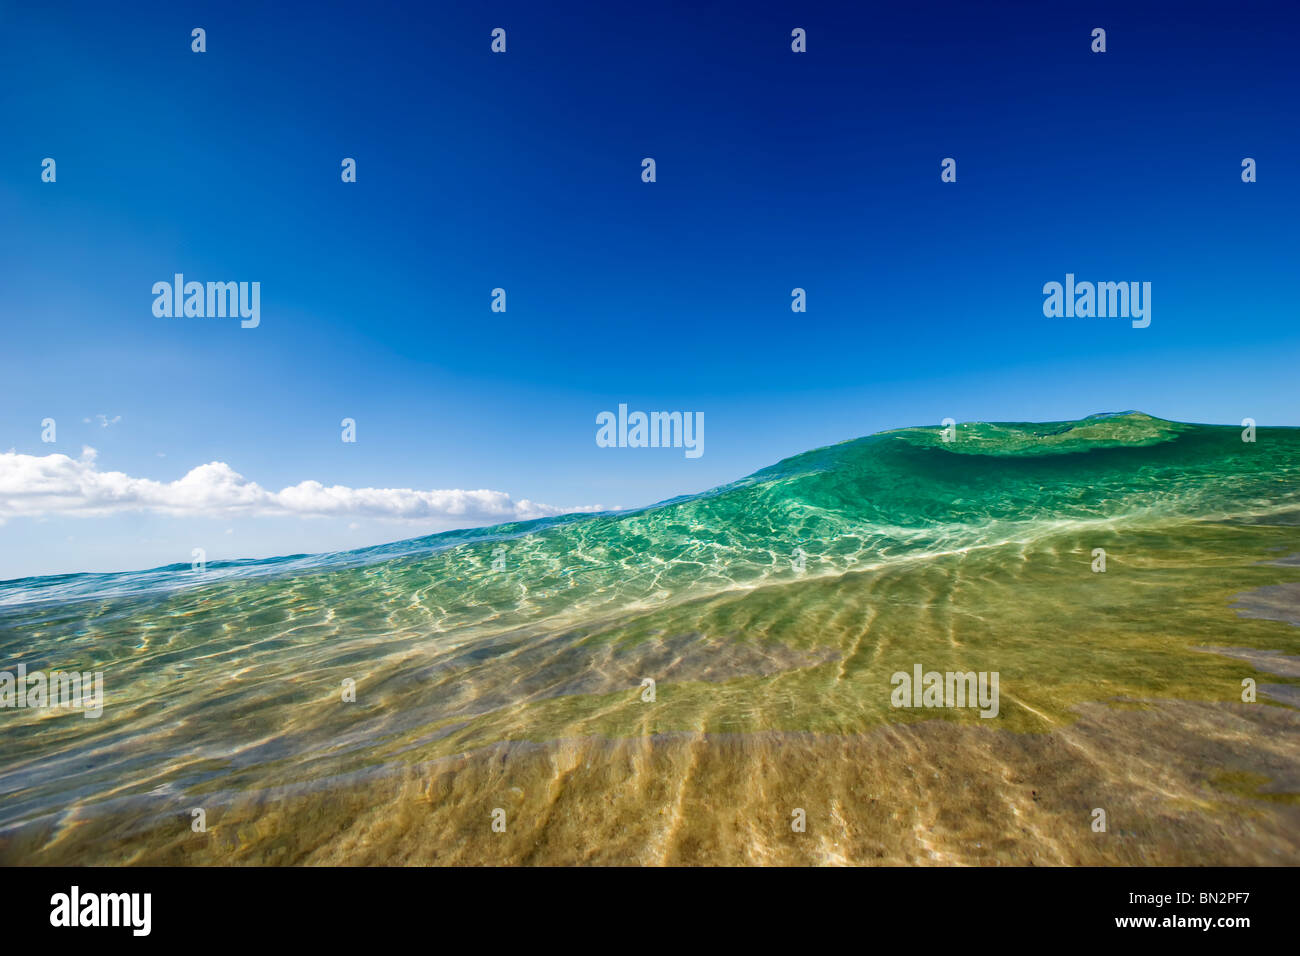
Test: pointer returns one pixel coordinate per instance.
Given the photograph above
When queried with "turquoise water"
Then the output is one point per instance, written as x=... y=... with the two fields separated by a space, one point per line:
x=778 y=603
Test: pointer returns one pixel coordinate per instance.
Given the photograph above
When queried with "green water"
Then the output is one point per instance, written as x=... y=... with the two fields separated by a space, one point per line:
x=778 y=605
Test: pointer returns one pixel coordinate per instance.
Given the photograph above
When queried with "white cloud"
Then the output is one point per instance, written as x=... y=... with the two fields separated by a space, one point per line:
x=33 y=485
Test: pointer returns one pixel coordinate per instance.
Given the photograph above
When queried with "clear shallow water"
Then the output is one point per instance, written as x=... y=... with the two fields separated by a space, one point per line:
x=223 y=688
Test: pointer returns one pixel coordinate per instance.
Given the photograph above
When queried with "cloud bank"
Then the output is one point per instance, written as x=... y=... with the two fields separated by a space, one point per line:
x=33 y=486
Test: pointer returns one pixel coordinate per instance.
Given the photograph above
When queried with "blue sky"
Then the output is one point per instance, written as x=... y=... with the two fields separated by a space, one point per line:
x=522 y=170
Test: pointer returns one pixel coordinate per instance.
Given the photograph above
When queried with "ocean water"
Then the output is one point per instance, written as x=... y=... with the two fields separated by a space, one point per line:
x=500 y=673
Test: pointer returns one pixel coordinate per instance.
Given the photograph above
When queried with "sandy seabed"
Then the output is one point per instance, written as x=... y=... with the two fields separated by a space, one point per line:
x=1181 y=783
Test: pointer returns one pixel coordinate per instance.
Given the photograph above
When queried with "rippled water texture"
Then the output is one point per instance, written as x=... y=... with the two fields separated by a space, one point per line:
x=502 y=668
